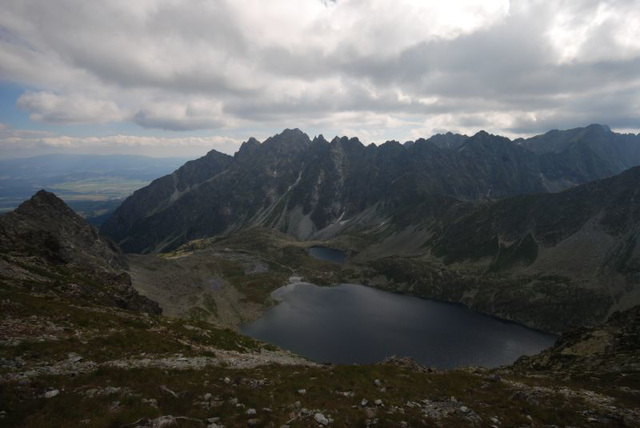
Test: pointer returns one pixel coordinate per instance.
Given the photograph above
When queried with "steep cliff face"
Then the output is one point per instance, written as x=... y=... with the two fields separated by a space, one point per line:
x=46 y=247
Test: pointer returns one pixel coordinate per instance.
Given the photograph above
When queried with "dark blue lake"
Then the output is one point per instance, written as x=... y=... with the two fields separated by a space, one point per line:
x=356 y=324
x=328 y=254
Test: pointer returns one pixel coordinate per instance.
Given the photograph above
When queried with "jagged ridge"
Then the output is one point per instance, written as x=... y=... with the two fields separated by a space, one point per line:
x=312 y=189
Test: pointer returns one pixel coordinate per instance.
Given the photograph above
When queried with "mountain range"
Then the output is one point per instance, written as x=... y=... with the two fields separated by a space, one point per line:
x=317 y=189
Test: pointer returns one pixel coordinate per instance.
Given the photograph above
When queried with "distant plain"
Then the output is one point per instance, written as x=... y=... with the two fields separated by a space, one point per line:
x=93 y=185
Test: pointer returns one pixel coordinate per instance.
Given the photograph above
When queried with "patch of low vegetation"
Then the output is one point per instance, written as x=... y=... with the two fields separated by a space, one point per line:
x=273 y=395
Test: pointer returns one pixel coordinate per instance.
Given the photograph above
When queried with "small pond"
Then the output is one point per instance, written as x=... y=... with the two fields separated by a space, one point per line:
x=328 y=254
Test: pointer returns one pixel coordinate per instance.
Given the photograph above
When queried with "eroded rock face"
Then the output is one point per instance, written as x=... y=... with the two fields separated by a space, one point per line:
x=47 y=247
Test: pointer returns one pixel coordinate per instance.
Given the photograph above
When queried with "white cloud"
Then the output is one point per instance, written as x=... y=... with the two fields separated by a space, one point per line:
x=373 y=66
x=72 y=108
x=20 y=142
x=595 y=31
x=201 y=114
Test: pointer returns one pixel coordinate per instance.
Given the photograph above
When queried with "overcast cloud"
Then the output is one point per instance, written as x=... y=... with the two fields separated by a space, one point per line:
x=376 y=69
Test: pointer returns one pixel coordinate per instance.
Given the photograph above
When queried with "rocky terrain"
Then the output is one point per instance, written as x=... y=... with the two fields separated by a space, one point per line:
x=228 y=280
x=47 y=248
x=610 y=349
x=65 y=364
x=70 y=358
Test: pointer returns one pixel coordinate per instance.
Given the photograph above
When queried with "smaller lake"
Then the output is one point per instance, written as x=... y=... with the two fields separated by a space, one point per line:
x=328 y=254
x=356 y=324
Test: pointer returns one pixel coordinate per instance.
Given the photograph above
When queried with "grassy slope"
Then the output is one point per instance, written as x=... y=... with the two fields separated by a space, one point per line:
x=39 y=332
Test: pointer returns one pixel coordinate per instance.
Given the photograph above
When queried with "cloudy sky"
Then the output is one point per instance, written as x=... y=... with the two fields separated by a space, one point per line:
x=179 y=77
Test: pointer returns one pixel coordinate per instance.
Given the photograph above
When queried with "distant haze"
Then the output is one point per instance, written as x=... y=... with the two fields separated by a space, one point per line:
x=178 y=78
x=93 y=185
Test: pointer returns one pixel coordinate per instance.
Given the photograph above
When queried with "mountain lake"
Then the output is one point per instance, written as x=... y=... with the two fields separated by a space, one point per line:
x=351 y=323
x=327 y=254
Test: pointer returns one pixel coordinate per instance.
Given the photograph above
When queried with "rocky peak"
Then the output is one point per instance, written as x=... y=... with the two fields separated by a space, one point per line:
x=320 y=140
x=347 y=143
x=251 y=143
x=421 y=144
x=485 y=142
x=556 y=141
x=292 y=133
x=391 y=145
x=47 y=244
x=289 y=140
x=46 y=226
x=247 y=148
x=600 y=128
x=448 y=140
x=46 y=204
x=485 y=137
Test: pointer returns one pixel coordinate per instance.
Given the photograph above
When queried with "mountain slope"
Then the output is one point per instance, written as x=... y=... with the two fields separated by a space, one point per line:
x=164 y=191
x=547 y=260
x=70 y=363
x=610 y=206
x=46 y=247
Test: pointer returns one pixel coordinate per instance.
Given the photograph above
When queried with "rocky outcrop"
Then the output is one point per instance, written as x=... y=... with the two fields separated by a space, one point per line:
x=47 y=247
x=45 y=227
x=611 y=348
